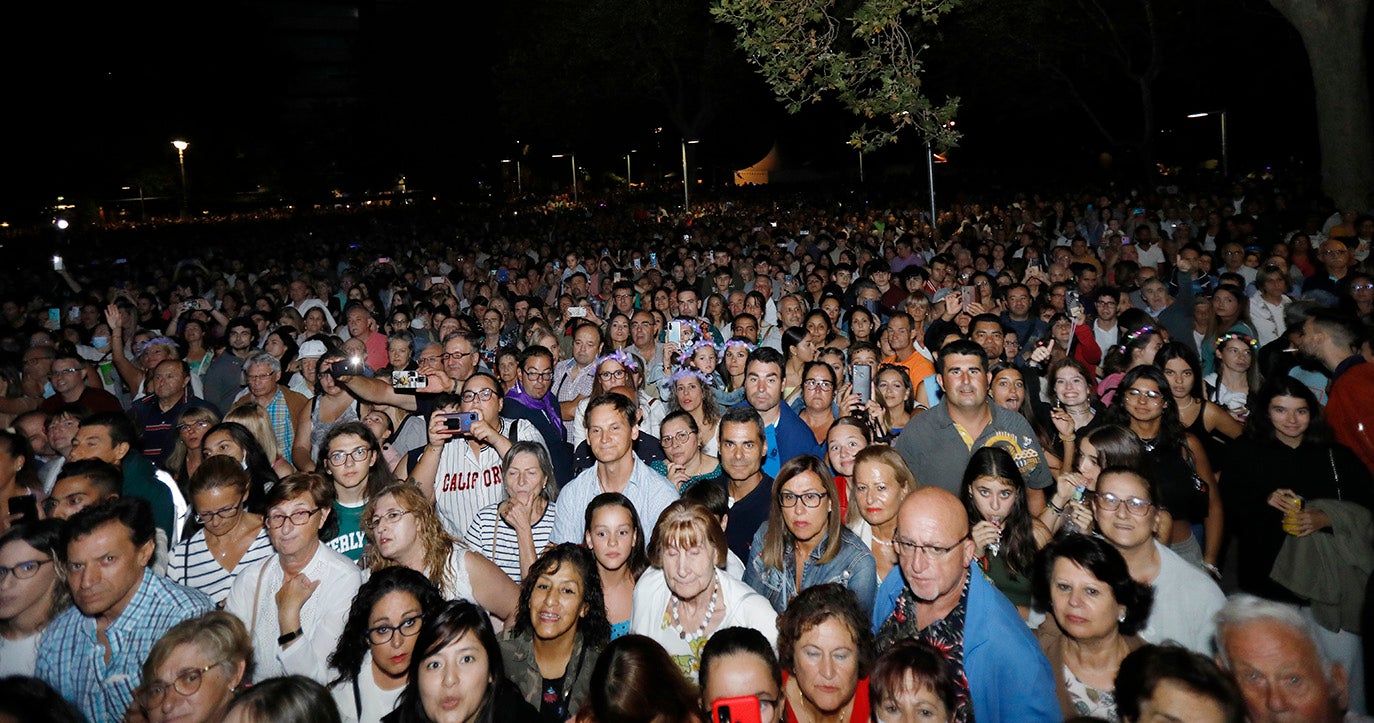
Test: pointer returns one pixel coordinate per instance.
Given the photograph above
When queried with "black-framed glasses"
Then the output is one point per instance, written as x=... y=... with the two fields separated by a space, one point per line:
x=538 y=375
x=616 y=375
x=1108 y=502
x=808 y=499
x=339 y=457
x=382 y=634
x=484 y=395
x=451 y=355
x=223 y=513
x=390 y=517
x=907 y=547
x=298 y=518
x=23 y=570
x=186 y=683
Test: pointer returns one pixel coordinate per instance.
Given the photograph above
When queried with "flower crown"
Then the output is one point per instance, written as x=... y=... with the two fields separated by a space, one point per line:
x=1138 y=333
x=686 y=354
x=735 y=342
x=1228 y=336
x=621 y=357
x=686 y=372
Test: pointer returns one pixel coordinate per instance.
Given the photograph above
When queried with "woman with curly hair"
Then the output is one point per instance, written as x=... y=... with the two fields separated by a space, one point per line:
x=405 y=530
x=559 y=632
x=378 y=640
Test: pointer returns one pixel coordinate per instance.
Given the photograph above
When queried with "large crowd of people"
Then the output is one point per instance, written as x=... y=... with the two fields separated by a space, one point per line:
x=1093 y=457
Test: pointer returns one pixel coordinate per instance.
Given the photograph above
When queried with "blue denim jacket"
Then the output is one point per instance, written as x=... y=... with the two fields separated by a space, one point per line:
x=852 y=567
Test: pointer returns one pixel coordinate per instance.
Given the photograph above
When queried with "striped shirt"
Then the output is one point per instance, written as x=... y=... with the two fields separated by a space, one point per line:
x=490 y=536
x=72 y=660
x=465 y=483
x=193 y=565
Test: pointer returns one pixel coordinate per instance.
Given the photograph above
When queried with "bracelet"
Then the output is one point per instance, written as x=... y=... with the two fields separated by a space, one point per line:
x=1057 y=509
x=1069 y=438
x=283 y=640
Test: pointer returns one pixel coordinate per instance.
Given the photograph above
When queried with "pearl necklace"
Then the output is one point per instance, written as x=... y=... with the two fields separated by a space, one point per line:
x=710 y=612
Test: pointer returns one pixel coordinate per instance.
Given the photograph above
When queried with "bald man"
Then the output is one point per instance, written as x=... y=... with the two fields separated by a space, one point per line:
x=943 y=598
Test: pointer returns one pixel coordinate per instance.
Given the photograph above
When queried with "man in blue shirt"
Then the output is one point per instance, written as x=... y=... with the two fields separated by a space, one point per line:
x=787 y=435
x=93 y=652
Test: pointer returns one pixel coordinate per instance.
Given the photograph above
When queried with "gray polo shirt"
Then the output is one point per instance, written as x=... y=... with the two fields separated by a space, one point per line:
x=937 y=452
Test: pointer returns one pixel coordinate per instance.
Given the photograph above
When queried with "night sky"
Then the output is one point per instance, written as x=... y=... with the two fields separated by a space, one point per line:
x=318 y=95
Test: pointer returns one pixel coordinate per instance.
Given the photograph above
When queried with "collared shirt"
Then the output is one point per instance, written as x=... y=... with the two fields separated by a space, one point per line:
x=647 y=490
x=282 y=424
x=852 y=566
x=157 y=429
x=945 y=634
x=568 y=386
x=72 y=660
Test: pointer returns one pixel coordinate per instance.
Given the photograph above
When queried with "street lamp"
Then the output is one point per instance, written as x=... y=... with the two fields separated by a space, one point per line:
x=628 y=183
x=518 y=190
x=181 y=147
x=1225 y=147
x=572 y=158
x=686 y=199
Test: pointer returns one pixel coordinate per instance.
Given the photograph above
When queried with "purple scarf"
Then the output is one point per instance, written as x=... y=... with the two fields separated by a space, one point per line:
x=547 y=405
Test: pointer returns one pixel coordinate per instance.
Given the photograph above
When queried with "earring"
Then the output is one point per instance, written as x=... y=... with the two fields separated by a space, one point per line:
x=1121 y=618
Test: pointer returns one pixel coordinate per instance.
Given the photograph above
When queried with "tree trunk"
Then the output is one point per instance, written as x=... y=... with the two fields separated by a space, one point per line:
x=1333 y=33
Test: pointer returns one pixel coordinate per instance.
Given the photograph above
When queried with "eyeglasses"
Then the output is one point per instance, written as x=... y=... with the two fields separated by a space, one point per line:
x=298 y=518
x=1150 y=395
x=1333 y=252
x=538 y=375
x=672 y=440
x=612 y=376
x=484 y=395
x=452 y=355
x=932 y=551
x=1361 y=287
x=390 y=517
x=221 y=513
x=339 y=457
x=186 y=683
x=821 y=384
x=382 y=634
x=188 y=426
x=23 y=570
x=259 y=377
x=808 y=499
x=1108 y=502
x=62 y=372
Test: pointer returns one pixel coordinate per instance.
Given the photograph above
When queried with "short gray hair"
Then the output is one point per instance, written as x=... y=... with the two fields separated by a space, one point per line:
x=1244 y=608
x=262 y=358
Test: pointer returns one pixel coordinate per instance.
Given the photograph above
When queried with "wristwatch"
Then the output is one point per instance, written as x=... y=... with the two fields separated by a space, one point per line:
x=283 y=640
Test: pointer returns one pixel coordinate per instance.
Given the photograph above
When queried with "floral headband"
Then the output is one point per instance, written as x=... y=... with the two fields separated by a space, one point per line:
x=621 y=357
x=686 y=354
x=688 y=372
x=155 y=341
x=1138 y=333
x=736 y=342
x=1228 y=336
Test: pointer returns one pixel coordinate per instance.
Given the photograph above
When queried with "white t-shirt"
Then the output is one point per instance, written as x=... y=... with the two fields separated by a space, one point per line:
x=465 y=483
x=1186 y=599
x=1152 y=257
x=18 y=657
x=375 y=701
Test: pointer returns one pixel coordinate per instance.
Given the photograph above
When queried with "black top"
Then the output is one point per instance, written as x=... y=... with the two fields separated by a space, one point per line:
x=1256 y=470
x=746 y=515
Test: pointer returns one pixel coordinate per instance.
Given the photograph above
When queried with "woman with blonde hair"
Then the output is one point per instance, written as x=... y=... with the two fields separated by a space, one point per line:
x=405 y=530
x=194 y=668
x=881 y=481
x=259 y=422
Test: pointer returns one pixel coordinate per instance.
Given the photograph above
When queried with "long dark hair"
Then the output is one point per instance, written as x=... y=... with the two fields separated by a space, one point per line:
x=447 y=623
x=636 y=680
x=18 y=446
x=1178 y=350
x=259 y=467
x=1258 y=426
x=594 y=628
x=1171 y=431
x=638 y=559
x=348 y=657
x=378 y=476
x=1018 y=528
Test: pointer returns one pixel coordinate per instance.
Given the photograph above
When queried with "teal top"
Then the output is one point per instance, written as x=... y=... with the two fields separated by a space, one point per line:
x=620 y=629
x=661 y=466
